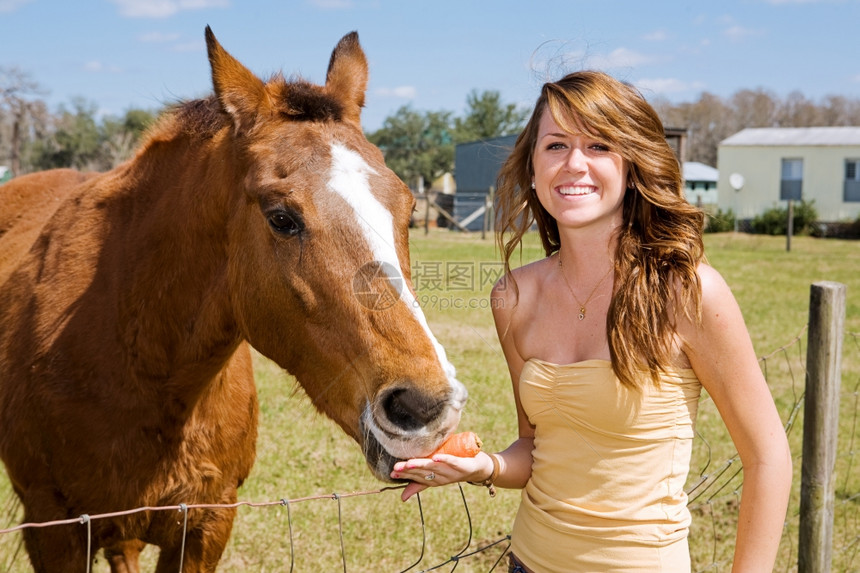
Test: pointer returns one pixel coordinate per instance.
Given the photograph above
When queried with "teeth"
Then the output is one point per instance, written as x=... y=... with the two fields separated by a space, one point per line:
x=577 y=190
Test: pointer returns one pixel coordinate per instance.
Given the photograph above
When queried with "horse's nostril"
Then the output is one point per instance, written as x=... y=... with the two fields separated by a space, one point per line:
x=410 y=409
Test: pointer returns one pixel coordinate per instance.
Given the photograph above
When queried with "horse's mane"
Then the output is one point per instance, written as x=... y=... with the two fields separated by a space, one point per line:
x=200 y=118
x=297 y=100
x=304 y=101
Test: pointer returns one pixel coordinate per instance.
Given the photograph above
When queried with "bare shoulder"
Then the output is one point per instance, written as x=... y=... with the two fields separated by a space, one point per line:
x=713 y=283
x=519 y=287
x=721 y=328
x=515 y=293
x=718 y=302
x=714 y=292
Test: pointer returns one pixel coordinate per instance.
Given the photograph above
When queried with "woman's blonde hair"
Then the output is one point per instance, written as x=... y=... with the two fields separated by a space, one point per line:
x=659 y=244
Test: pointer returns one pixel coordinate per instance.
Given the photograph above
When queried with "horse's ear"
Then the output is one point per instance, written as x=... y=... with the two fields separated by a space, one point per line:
x=239 y=91
x=346 y=79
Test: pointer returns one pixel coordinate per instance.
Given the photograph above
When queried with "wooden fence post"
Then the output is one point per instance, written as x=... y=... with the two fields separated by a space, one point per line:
x=820 y=425
x=489 y=212
x=427 y=213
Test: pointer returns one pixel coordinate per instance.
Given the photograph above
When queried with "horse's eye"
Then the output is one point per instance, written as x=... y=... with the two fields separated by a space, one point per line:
x=285 y=222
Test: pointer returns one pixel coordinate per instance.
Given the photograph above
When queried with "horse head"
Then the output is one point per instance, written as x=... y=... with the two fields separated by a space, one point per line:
x=319 y=270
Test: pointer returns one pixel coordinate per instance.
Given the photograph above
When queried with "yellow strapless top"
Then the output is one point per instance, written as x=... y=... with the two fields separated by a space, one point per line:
x=610 y=463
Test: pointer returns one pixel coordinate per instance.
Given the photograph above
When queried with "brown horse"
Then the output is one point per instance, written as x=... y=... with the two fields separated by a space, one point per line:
x=128 y=300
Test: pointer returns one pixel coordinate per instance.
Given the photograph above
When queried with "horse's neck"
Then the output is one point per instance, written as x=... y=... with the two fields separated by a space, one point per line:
x=173 y=274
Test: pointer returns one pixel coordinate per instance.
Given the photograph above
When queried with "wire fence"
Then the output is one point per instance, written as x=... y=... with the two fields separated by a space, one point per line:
x=467 y=551
x=714 y=488
x=714 y=497
x=714 y=494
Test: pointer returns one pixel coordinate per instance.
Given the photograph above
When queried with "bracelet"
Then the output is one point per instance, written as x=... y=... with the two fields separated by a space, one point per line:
x=488 y=483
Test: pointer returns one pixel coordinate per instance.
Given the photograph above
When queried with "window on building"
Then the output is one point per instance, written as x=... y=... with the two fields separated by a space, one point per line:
x=791 y=180
x=852 y=180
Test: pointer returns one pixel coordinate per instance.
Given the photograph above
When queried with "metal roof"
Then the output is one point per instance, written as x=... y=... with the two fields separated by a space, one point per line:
x=695 y=171
x=775 y=136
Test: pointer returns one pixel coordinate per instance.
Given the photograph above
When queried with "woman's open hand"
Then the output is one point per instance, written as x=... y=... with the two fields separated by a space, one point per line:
x=441 y=469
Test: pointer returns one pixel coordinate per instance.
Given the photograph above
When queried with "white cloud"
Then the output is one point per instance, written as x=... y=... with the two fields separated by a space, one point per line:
x=97 y=67
x=158 y=38
x=736 y=32
x=402 y=92
x=666 y=86
x=189 y=47
x=618 y=58
x=163 y=8
x=12 y=5
x=656 y=36
x=162 y=38
x=552 y=61
x=332 y=4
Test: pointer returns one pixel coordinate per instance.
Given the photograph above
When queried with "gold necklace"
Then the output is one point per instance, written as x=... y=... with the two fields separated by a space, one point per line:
x=581 y=314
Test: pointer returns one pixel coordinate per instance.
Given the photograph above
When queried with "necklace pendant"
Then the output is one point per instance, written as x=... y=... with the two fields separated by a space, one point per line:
x=582 y=313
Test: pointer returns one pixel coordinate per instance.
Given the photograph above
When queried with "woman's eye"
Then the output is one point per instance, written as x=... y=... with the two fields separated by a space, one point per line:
x=285 y=223
x=555 y=145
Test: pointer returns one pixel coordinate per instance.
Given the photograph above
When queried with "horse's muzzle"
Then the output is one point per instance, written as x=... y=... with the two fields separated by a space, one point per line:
x=403 y=425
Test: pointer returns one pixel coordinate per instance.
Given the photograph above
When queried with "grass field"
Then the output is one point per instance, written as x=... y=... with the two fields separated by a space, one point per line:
x=302 y=454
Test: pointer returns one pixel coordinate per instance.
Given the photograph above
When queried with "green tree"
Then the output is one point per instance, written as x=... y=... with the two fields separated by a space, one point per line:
x=416 y=144
x=77 y=139
x=120 y=136
x=20 y=110
x=487 y=117
x=137 y=121
x=74 y=142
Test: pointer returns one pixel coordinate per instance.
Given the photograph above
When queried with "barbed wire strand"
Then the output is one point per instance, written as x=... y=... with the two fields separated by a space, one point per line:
x=178 y=507
x=85 y=519
x=286 y=504
x=183 y=508
x=423 y=535
x=703 y=475
x=851 y=549
x=711 y=485
x=336 y=497
x=455 y=559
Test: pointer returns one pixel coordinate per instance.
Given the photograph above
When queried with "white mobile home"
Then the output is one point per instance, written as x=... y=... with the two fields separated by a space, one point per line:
x=777 y=164
x=700 y=183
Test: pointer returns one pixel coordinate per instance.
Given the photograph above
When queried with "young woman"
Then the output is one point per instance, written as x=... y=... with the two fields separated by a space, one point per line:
x=609 y=340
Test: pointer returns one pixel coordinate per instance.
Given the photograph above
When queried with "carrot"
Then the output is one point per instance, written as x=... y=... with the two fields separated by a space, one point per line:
x=463 y=445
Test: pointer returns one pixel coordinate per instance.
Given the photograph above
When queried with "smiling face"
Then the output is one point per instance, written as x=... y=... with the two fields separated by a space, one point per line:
x=579 y=179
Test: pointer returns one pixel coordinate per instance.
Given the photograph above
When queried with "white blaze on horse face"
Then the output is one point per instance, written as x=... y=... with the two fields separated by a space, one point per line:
x=349 y=179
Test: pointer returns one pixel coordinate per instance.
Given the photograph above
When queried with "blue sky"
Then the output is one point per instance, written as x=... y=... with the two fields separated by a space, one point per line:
x=144 y=53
